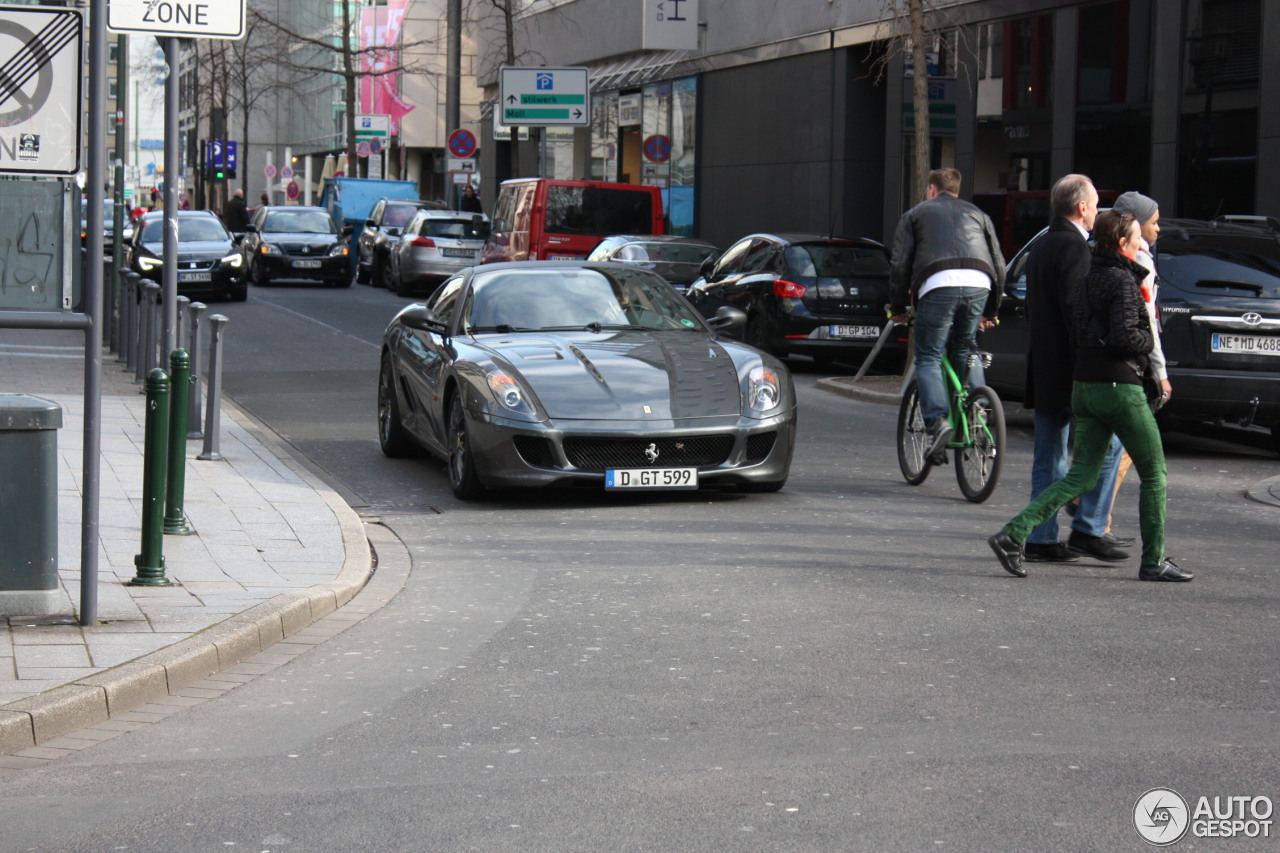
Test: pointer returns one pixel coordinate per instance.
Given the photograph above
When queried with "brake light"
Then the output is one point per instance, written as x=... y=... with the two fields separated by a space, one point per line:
x=426 y=242
x=784 y=289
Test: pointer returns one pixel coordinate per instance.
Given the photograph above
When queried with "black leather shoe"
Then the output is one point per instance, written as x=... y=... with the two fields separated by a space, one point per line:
x=1096 y=547
x=1166 y=571
x=1119 y=541
x=1048 y=552
x=1009 y=552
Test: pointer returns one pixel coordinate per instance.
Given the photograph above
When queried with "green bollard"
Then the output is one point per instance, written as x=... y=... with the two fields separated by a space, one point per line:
x=150 y=563
x=175 y=520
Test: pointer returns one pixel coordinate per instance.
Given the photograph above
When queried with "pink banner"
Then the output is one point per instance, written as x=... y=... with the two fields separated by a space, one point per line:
x=380 y=27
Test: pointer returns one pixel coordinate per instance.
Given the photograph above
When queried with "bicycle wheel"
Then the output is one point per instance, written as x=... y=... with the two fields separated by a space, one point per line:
x=979 y=461
x=913 y=438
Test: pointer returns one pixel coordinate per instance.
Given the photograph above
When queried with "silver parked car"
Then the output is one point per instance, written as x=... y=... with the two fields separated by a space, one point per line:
x=433 y=246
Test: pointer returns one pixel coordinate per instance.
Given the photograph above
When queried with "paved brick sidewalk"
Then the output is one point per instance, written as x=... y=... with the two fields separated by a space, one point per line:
x=273 y=550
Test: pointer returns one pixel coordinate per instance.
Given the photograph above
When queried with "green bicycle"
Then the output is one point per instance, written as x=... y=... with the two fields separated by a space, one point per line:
x=976 y=415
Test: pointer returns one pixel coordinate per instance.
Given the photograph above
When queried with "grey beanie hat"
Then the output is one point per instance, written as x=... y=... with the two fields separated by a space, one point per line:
x=1142 y=207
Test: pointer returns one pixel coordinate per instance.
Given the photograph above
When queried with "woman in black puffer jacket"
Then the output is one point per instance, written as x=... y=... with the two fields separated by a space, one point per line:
x=1112 y=336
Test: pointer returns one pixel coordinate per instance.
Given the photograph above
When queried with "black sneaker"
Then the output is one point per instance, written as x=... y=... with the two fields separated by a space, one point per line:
x=1119 y=541
x=1048 y=552
x=1096 y=547
x=1009 y=552
x=1166 y=571
x=939 y=434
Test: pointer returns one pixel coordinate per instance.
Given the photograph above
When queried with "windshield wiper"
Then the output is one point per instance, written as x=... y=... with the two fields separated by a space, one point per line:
x=501 y=328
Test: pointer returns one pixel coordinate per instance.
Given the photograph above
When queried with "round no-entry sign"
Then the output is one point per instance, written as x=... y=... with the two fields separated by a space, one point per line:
x=292 y=190
x=269 y=170
x=462 y=143
x=657 y=148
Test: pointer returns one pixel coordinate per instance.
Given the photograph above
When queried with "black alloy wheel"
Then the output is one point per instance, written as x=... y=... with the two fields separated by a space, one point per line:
x=462 y=470
x=393 y=439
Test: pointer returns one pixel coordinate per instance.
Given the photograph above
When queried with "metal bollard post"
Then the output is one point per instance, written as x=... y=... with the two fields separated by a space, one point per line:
x=150 y=563
x=184 y=303
x=108 y=300
x=154 y=291
x=195 y=421
x=212 y=413
x=175 y=520
x=128 y=321
x=147 y=327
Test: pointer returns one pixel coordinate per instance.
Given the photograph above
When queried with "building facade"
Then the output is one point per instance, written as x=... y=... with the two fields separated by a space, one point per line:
x=798 y=116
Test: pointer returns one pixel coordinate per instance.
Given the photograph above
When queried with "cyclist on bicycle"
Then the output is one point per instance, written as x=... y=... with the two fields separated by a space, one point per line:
x=947 y=262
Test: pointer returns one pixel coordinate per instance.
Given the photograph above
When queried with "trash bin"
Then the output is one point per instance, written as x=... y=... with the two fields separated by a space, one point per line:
x=29 y=505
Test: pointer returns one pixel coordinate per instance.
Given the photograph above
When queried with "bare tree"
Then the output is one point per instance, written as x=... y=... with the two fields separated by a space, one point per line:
x=910 y=27
x=339 y=52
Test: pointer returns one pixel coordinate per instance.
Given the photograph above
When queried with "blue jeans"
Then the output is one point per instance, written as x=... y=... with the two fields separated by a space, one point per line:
x=946 y=321
x=1049 y=464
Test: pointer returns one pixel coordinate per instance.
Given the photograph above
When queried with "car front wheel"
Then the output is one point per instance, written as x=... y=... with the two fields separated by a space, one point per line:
x=462 y=469
x=395 y=442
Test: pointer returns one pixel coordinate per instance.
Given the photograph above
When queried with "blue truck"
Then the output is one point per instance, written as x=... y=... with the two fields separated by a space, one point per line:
x=350 y=200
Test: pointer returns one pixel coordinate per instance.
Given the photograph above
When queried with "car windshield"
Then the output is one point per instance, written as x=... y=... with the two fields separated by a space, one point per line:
x=461 y=229
x=573 y=298
x=190 y=230
x=598 y=211
x=299 y=222
x=830 y=260
x=398 y=215
x=671 y=253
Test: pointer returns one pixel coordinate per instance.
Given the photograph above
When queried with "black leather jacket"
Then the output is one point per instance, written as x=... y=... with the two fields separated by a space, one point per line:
x=944 y=233
x=1110 y=326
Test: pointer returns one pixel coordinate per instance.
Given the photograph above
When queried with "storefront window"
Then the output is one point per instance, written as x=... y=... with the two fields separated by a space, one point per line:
x=604 y=136
x=680 y=194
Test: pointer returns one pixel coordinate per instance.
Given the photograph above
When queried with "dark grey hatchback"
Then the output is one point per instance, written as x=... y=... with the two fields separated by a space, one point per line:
x=811 y=294
x=1219 y=300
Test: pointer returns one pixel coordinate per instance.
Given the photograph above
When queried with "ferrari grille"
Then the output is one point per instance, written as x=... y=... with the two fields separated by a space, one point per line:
x=535 y=451
x=759 y=445
x=597 y=454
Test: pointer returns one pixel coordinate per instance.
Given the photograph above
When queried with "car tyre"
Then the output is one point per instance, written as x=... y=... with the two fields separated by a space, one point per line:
x=239 y=294
x=378 y=273
x=256 y=276
x=1275 y=438
x=393 y=439
x=755 y=335
x=402 y=287
x=462 y=469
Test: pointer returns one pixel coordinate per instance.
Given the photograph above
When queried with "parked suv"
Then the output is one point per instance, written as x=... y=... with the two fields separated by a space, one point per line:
x=294 y=242
x=819 y=296
x=385 y=223
x=1220 y=312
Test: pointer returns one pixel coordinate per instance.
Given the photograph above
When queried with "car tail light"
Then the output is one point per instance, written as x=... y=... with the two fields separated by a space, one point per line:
x=784 y=289
x=425 y=242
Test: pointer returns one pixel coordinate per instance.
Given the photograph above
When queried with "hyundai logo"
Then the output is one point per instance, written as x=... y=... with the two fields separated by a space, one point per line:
x=1253 y=318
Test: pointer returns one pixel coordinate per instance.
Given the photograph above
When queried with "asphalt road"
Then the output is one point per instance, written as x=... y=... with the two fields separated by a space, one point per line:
x=842 y=666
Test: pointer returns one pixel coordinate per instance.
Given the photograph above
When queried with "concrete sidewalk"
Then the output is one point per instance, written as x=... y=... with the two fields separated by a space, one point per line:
x=273 y=550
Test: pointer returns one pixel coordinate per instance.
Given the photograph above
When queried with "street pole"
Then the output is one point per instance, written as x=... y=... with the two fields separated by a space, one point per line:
x=172 y=145
x=453 y=78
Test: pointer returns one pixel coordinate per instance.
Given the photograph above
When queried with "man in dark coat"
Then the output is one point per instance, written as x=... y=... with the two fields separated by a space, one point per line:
x=1058 y=262
x=237 y=214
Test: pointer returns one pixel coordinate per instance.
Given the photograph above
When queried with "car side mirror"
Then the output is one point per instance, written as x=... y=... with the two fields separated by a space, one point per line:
x=348 y=230
x=499 y=225
x=391 y=232
x=250 y=228
x=708 y=264
x=728 y=318
x=423 y=319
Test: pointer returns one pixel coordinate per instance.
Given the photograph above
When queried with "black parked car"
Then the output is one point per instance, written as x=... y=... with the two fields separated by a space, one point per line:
x=293 y=242
x=1219 y=300
x=816 y=295
x=385 y=223
x=209 y=264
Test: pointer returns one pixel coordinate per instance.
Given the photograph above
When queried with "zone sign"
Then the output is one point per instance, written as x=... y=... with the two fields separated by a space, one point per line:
x=217 y=19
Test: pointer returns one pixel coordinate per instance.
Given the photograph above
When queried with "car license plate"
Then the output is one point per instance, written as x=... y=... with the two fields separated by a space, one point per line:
x=564 y=257
x=1245 y=344
x=458 y=253
x=855 y=332
x=306 y=265
x=651 y=478
x=195 y=276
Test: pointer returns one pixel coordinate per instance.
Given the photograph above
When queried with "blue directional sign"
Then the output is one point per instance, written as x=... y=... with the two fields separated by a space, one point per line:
x=545 y=96
x=229 y=155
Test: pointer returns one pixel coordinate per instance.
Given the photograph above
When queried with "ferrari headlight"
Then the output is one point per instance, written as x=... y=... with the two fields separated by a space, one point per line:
x=148 y=264
x=763 y=390
x=232 y=260
x=508 y=393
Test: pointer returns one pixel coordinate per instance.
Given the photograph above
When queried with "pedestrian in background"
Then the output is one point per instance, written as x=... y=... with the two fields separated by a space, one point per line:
x=1058 y=262
x=236 y=216
x=947 y=262
x=1112 y=331
x=470 y=202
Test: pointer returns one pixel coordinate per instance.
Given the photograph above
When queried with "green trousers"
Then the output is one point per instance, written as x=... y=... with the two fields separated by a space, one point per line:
x=1101 y=409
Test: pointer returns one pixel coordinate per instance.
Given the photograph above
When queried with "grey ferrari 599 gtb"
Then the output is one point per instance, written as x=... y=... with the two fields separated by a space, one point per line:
x=553 y=373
